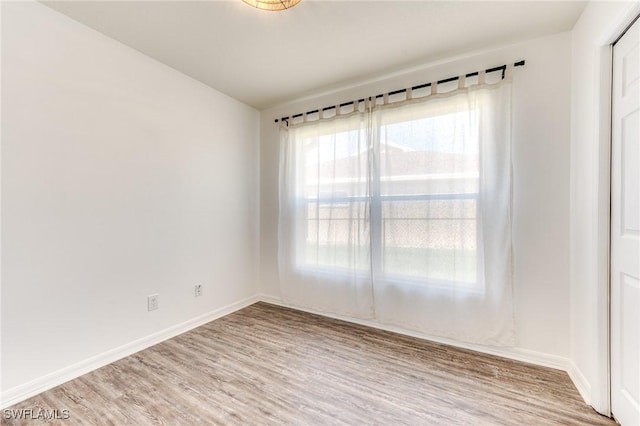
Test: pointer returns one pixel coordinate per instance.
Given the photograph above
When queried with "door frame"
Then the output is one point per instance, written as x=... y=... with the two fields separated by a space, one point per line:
x=601 y=395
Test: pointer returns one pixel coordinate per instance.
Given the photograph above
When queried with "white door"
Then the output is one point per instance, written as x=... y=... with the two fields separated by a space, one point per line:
x=625 y=230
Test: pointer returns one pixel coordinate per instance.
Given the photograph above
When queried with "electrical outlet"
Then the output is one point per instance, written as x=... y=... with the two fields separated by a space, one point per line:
x=152 y=302
x=198 y=290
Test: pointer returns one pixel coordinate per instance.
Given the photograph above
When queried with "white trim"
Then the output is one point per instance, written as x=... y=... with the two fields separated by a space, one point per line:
x=41 y=384
x=600 y=399
x=1 y=207
x=580 y=382
x=518 y=354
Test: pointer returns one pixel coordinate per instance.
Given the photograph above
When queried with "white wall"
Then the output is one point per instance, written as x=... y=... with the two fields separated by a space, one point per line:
x=599 y=25
x=541 y=117
x=121 y=178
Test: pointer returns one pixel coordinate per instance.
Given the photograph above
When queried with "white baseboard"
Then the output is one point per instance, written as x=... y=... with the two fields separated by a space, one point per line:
x=580 y=382
x=49 y=381
x=518 y=354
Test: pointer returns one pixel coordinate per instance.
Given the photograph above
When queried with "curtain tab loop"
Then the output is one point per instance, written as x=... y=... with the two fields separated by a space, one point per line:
x=461 y=81
x=434 y=88
x=385 y=99
x=409 y=93
x=507 y=71
x=481 y=77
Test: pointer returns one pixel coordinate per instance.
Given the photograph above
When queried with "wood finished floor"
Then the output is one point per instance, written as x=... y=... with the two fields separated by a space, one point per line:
x=267 y=365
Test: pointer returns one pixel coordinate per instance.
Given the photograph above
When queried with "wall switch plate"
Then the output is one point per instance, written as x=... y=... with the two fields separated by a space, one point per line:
x=152 y=302
x=198 y=290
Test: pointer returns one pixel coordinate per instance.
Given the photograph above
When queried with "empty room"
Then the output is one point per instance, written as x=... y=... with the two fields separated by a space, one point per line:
x=319 y=212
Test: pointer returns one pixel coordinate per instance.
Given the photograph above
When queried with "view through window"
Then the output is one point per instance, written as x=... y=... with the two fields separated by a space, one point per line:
x=400 y=200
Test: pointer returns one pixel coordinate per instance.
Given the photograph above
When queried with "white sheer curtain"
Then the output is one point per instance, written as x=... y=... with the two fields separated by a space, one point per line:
x=444 y=266
x=402 y=212
x=324 y=225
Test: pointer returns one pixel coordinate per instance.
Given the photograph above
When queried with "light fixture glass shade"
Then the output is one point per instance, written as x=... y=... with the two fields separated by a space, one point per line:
x=273 y=5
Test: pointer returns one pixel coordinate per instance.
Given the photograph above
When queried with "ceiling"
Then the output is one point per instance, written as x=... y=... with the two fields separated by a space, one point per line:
x=265 y=58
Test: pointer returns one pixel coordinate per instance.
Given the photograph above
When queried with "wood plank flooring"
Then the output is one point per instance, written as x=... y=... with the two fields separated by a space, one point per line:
x=267 y=365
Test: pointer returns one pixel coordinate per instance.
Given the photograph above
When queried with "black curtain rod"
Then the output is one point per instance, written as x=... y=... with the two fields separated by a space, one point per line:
x=395 y=92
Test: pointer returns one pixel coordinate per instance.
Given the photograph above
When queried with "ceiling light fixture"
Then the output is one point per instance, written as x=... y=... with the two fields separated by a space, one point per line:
x=273 y=5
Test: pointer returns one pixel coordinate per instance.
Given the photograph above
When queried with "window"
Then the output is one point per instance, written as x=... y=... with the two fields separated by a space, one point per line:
x=402 y=212
x=335 y=199
x=428 y=179
x=419 y=183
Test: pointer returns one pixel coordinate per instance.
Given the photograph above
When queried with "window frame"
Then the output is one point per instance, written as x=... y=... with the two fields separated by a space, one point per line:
x=376 y=224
